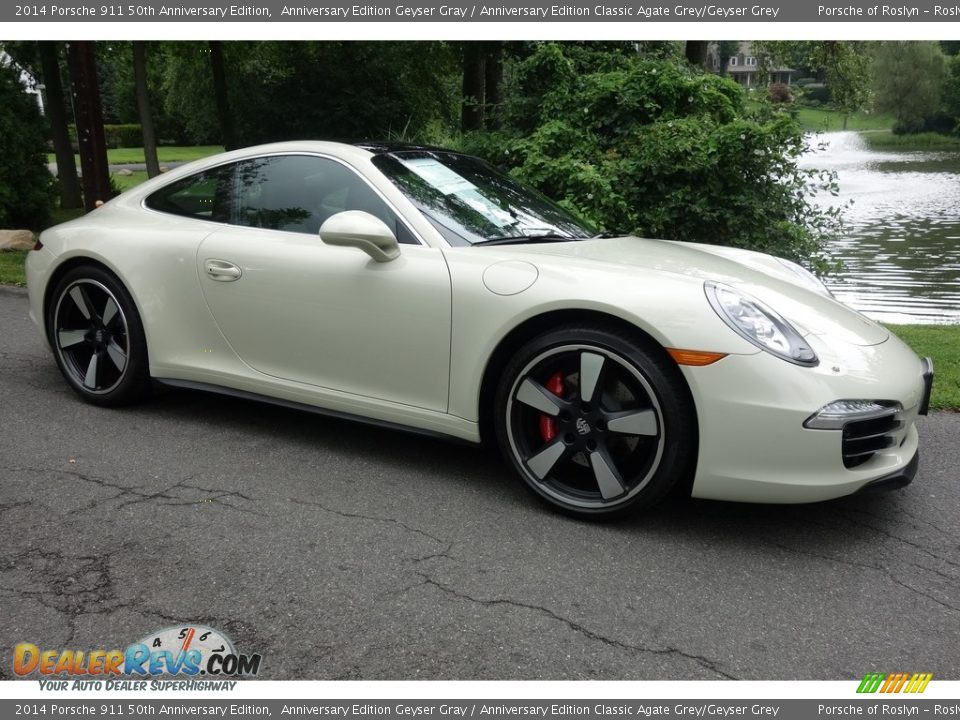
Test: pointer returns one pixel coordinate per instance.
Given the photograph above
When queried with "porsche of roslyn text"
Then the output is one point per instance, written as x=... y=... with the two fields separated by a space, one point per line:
x=421 y=288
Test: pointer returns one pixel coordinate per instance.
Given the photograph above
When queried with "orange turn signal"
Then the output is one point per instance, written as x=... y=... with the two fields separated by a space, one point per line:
x=697 y=358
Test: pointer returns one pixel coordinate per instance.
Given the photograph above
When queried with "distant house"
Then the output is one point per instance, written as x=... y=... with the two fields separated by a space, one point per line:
x=29 y=82
x=744 y=67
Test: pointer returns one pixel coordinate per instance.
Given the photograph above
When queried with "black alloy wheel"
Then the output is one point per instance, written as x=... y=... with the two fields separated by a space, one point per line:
x=97 y=337
x=595 y=422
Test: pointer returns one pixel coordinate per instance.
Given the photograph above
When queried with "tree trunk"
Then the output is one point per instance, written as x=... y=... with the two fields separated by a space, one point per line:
x=696 y=52
x=493 y=79
x=143 y=108
x=474 y=79
x=221 y=96
x=57 y=113
x=88 y=114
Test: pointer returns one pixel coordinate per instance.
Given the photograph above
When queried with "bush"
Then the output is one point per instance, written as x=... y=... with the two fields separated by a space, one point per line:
x=661 y=150
x=27 y=188
x=780 y=93
x=123 y=136
x=816 y=93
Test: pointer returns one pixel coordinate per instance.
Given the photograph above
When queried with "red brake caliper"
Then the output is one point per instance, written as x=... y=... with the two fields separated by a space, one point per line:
x=548 y=426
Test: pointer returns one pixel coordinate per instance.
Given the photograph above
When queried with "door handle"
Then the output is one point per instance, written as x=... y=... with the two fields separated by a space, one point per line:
x=222 y=270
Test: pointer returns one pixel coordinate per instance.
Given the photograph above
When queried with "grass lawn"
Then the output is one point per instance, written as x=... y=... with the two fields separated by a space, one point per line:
x=125 y=182
x=919 y=141
x=11 y=267
x=119 y=156
x=942 y=343
x=820 y=120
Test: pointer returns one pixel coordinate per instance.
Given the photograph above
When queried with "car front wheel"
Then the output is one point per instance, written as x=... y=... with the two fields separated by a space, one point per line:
x=595 y=422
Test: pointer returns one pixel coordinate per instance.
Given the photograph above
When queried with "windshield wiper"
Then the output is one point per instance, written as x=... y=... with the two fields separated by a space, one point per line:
x=521 y=239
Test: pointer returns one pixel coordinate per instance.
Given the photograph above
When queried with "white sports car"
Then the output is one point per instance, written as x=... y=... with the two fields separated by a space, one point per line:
x=421 y=288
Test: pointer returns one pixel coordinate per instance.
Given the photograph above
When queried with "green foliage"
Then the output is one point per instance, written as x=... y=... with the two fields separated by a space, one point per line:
x=909 y=78
x=661 y=150
x=26 y=187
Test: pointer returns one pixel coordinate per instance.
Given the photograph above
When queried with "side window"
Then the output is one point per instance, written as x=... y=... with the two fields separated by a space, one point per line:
x=205 y=196
x=297 y=193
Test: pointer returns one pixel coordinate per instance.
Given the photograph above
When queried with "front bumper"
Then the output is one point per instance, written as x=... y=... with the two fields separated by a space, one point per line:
x=751 y=410
x=895 y=480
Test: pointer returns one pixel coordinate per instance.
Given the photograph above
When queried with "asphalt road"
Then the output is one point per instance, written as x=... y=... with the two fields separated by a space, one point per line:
x=341 y=551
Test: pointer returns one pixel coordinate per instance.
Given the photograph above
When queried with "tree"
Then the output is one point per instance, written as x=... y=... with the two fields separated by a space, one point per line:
x=26 y=186
x=87 y=112
x=221 y=95
x=726 y=49
x=696 y=52
x=474 y=81
x=843 y=65
x=49 y=52
x=493 y=81
x=909 y=78
x=143 y=106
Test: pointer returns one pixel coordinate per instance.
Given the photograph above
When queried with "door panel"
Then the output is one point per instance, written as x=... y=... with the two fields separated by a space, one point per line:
x=331 y=316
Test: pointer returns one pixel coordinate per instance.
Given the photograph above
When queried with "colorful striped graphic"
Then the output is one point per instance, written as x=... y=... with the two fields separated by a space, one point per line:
x=894 y=682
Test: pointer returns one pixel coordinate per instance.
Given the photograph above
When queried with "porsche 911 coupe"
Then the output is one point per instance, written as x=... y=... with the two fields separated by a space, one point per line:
x=421 y=288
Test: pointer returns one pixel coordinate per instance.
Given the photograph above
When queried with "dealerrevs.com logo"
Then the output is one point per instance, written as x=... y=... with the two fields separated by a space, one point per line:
x=183 y=651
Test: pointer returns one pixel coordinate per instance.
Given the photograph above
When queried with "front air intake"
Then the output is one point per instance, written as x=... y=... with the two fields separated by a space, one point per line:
x=864 y=438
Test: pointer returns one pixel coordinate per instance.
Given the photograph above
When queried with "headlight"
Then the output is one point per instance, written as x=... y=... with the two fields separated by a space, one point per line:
x=756 y=322
x=805 y=276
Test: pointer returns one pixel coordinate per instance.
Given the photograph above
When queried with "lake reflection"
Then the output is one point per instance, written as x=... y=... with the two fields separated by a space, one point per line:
x=901 y=252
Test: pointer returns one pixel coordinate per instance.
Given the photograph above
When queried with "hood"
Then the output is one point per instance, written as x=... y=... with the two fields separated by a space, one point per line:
x=760 y=275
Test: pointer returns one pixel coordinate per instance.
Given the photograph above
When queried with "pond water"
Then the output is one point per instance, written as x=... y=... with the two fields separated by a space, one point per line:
x=901 y=249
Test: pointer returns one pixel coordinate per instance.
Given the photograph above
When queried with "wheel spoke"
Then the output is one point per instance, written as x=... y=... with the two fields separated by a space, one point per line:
x=109 y=311
x=607 y=477
x=591 y=365
x=542 y=463
x=68 y=338
x=536 y=396
x=79 y=297
x=117 y=355
x=633 y=422
x=90 y=380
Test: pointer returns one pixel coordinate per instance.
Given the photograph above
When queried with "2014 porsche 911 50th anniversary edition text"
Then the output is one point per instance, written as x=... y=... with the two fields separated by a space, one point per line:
x=421 y=288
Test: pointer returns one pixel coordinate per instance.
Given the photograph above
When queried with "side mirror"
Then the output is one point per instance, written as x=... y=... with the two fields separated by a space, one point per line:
x=359 y=229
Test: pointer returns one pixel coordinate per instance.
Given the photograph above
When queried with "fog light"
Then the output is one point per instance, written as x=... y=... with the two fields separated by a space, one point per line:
x=838 y=413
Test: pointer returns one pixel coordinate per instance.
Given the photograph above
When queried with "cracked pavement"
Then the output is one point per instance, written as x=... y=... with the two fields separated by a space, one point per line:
x=340 y=551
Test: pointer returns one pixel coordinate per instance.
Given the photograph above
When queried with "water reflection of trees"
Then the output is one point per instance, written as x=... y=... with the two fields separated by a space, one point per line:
x=259 y=183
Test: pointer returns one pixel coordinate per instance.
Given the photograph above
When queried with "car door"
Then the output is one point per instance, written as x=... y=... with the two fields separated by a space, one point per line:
x=296 y=309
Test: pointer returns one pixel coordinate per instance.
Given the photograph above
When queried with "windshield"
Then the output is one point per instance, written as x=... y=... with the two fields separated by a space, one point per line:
x=471 y=203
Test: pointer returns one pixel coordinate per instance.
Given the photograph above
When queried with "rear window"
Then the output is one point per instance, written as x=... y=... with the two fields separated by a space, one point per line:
x=205 y=196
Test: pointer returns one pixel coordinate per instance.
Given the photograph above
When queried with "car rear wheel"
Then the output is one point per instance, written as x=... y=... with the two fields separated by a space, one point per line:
x=595 y=422
x=97 y=337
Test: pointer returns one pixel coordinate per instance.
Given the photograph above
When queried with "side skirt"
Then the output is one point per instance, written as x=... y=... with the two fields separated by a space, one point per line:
x=304 y=407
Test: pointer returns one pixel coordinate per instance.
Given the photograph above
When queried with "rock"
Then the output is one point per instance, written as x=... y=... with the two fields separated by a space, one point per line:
x=125 y=172
x=16 y=240
x=164 y=168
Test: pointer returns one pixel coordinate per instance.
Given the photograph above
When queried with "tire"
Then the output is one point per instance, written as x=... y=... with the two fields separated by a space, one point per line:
x=595 y=422
x=97 y=337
